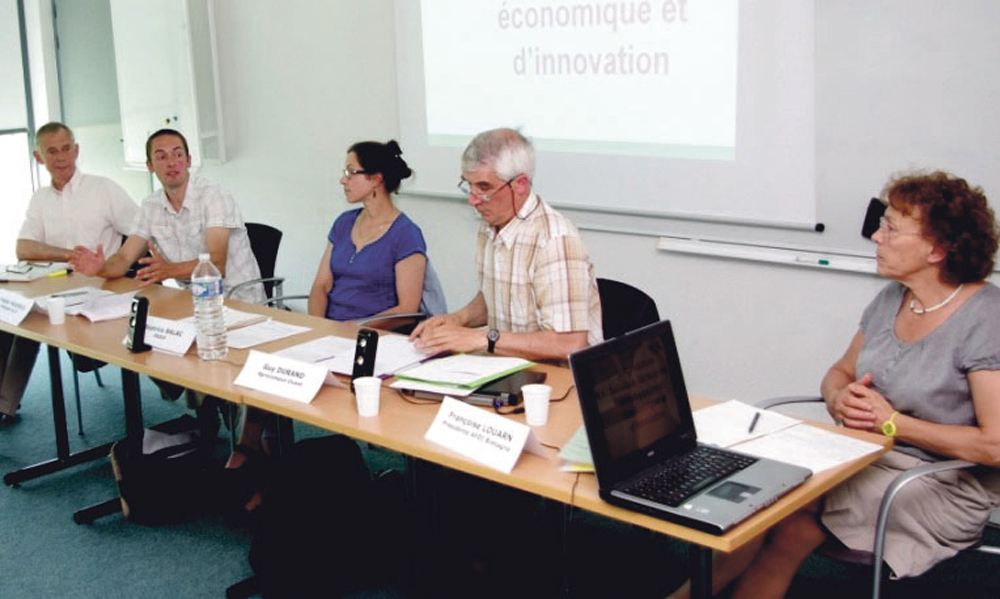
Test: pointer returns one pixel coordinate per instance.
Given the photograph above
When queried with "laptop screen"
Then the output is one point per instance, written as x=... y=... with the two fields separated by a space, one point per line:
x=633 y=397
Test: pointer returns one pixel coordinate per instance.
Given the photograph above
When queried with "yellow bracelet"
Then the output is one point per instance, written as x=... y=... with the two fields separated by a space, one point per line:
x=889 y=427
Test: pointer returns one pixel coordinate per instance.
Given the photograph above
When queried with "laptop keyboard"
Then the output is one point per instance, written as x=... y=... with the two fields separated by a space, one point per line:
x=686 y=475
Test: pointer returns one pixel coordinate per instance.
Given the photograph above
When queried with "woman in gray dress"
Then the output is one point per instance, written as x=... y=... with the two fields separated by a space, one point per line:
x=924 y=368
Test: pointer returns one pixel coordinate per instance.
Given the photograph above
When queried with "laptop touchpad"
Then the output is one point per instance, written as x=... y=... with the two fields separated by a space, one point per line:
x=733 y=491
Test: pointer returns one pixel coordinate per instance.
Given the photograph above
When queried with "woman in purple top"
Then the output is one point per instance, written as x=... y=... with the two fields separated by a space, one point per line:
x=375 y=256
x=373 y=265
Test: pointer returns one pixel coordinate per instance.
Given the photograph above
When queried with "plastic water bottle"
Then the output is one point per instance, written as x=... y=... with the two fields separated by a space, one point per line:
x=206 y=290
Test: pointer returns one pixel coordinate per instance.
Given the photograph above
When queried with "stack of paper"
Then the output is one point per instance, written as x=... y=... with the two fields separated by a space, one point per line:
x=394 y=352
x=575 y=454
x=75 y=299
x=774 y=436
x=107 y=307
x=464 y=370
x=728 y=423
x=262 y=332
x=235 y=319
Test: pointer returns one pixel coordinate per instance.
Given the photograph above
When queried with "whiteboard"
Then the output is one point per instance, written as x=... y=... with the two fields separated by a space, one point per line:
x=898 y=86
x=664 y=108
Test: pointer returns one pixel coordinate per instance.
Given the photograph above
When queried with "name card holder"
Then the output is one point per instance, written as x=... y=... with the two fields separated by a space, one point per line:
x=284 y=377
x=14 y=307
x=171 y=336
x=480 y=435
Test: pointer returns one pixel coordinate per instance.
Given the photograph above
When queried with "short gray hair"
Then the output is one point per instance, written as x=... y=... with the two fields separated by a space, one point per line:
x=504 y=150
x=51 y=128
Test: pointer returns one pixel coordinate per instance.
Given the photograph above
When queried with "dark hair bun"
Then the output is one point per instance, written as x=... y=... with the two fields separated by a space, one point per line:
x=385 y=159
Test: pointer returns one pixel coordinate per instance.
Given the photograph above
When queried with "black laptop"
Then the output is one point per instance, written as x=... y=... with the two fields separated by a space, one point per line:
x=642 y=437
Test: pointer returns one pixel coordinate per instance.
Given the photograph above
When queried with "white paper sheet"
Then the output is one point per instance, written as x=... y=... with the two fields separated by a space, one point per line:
x=107 y=307
x=75 y=299
x=337 y=353
x=328 y=350
x=808 y=446
x=235 y=319
x=725 y=424
x=465 y=370
x=262 y=332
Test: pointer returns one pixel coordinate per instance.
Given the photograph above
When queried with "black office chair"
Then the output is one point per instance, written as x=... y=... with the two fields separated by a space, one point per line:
x=624 y=308
x=264 y=241
x=833 y=549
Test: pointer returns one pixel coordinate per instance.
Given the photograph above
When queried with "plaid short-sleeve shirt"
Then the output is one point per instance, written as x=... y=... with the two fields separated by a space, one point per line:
x=180 y=234
x=535 y=274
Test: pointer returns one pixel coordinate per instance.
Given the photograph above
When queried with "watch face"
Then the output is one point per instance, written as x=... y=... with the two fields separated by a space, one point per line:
x=889 y=428
x=493 y=335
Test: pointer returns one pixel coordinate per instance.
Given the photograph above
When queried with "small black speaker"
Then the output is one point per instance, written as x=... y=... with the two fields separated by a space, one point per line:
x=872 y=217
x=364 y=354
x=136 y=340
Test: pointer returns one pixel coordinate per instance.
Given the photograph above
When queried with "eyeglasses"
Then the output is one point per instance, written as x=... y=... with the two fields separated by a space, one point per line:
x=890 y=232
x=348 y=173
x=466 y=188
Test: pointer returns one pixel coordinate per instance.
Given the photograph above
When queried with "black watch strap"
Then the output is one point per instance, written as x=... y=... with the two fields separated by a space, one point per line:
x=492 y=336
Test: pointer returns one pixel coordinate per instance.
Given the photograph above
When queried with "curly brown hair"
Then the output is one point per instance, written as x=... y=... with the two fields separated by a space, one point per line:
x=956 y=218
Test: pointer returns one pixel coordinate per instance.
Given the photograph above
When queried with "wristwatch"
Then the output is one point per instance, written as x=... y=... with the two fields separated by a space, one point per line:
x=889 y=427
x=492 y=336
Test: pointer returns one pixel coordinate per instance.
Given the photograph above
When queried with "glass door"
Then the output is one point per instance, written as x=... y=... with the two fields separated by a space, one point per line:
x=15 y=143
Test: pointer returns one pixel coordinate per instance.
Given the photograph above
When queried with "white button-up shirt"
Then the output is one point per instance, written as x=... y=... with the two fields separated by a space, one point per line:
x=89 y=210
x=180 y=234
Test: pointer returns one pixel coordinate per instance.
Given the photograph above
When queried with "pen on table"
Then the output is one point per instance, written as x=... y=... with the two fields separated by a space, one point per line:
x=753 y=423
x=68 y=293
x=59 y=273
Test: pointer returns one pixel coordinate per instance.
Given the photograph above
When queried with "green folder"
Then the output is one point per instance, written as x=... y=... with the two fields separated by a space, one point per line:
x=464 y=370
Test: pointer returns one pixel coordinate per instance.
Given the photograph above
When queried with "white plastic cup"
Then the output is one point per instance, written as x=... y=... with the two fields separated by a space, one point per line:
x=536 y=404
x=367 y=389
x=57 y=310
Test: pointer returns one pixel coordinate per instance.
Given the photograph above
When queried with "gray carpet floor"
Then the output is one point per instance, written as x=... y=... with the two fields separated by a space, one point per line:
x=43 y=553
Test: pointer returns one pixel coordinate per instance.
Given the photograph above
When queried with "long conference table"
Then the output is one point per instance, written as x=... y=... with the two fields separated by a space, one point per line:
x=400 y=425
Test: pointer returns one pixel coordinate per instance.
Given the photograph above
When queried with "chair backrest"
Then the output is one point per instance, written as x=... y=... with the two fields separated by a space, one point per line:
x=432 y=301
x=624 y=308
x=264 y=241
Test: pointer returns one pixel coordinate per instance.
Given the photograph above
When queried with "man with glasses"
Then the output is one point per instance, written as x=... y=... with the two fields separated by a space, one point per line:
x=75 y=210
x=537 y=291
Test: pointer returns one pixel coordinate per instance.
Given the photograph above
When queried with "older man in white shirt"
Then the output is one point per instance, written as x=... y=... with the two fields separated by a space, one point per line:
x=75 y=210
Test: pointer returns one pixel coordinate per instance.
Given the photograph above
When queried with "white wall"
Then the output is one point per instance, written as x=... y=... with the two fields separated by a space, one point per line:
x=303 y=80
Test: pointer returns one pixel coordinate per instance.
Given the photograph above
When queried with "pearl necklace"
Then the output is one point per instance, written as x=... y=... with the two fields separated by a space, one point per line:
x=920 y=311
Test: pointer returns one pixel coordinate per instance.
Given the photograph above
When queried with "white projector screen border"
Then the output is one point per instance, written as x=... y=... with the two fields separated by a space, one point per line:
x=771 y=182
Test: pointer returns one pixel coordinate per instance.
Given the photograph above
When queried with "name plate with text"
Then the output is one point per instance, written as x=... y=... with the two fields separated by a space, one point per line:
x=280 y=376
x=171 y=336
x=14 y=307
x=479 y=435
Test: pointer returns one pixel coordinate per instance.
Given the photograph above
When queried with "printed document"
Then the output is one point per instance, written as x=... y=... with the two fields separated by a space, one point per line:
x=262 y=332
x=464 y=370
x=337 y=354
